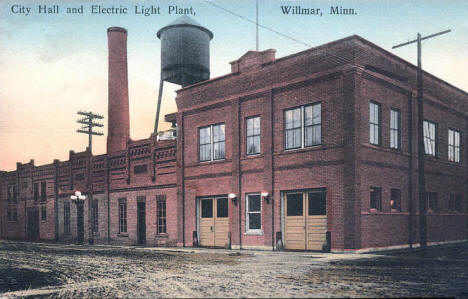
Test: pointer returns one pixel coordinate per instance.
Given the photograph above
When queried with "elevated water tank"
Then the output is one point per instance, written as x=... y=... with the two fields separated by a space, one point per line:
x=185 y=52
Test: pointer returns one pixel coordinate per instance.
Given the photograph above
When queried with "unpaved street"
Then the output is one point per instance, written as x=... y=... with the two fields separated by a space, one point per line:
x=56 y=270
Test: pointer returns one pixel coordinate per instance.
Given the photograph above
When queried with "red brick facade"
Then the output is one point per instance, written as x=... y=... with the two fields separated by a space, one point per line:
x=344 y=77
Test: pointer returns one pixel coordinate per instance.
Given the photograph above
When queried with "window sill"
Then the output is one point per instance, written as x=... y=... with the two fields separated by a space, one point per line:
x=395 y=210
x=375 y=211
x=254 y=232
x=161 y=236
x=122 y=235
x=303 y=149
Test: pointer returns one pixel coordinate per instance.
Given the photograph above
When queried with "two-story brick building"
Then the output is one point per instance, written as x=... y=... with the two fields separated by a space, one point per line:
x=312 y=151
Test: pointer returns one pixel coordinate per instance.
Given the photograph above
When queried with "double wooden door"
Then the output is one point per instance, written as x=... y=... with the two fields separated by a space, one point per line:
x=214 y=221
x=305 y=220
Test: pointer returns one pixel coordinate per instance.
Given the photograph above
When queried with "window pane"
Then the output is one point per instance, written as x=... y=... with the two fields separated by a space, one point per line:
x=222 y=207
x=294 y=204
x=218 y=133
x=218 y=149
x=205 y=136
x=207 y=208
x=254 y=203
x=317 y=203
x=293 y=118
x=255 y=221
x=256 y=123
x=205 y=152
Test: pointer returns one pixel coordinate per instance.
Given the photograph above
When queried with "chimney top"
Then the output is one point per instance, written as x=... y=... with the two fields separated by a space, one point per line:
x=120 y=29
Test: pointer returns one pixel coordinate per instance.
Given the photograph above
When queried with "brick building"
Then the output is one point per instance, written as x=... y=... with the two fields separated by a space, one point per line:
x=312 y=151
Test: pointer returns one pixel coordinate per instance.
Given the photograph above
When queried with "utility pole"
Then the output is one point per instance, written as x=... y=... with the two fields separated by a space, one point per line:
x=256 y=25
x=89 y=124
x=421 y=152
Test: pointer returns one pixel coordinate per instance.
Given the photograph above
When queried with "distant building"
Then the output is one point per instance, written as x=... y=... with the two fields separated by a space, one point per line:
x=312 y=151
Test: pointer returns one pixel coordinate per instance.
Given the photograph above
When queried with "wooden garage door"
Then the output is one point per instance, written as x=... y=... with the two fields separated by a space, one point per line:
x=305 y=220
x=214 y=222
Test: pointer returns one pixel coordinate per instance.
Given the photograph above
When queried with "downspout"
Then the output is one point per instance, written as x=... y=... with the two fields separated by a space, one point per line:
x=108 y=200
x=411 y=170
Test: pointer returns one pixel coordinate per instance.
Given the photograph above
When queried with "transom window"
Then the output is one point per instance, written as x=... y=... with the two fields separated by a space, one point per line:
x=395 y=130
x=453 y=145
x=212 y=142
x=430 y=138
x=253 y=220
x=374 y=123
x=303 y=126
x=253 y=135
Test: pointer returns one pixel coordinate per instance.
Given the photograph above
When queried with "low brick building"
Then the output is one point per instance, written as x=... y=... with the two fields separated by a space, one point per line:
x=313 y=151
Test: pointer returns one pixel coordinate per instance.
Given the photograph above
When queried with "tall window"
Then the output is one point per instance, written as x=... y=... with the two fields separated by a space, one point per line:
x=430 y=138
x=374 y=123
x=303 y=126
x=122 y=217
x=455 y=203
x=95 y=216
x=161 y=216
x=43 y=191
x=454 y=145
x=376 y=198
x=395 y=199
x=66 y=217
x=212 y=142
x=12 y=195
x=254 y=213
x=12 y=214
x=36 y=191
x=43 y=213
x=253 y=135
x=395 y=129
x=431 y=201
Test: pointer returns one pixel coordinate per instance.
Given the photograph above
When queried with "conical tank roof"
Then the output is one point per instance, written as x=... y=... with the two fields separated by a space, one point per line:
x=182 y=22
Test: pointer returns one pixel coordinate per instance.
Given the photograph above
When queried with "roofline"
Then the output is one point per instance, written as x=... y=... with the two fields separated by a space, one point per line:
x=348 y=38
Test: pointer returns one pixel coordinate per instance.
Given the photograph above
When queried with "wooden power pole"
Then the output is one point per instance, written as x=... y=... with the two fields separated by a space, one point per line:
x=421 y=152
x=88 y=125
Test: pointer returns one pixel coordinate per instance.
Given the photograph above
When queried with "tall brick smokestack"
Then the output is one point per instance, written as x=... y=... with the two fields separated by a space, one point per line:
x=118 y=125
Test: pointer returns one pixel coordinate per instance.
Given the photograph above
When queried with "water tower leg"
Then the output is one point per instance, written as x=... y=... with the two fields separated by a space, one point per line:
x=156 y=123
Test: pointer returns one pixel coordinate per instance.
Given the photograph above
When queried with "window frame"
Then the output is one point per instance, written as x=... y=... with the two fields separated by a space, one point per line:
x=378 y=124
x=212 y=142
x=436 y=139
x=302 y=126
x=397 y=204
x=247 y=136
x=379 y=200
x=454 y=146
x=248 y=230
x=398 y=129
x=161 y=217
x=123 y=228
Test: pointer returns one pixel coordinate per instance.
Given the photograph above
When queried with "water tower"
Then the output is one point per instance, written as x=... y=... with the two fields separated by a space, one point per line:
x=185 y=55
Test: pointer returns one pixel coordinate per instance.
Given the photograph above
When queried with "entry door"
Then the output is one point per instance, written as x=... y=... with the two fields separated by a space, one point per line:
x=214 y=222
x=141 y=214
x=80 y=221
x=305 y=220
x=33 y=224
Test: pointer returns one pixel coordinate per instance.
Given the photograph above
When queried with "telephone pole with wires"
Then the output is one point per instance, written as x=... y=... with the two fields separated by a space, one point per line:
x=421 y=152
x=88 y=125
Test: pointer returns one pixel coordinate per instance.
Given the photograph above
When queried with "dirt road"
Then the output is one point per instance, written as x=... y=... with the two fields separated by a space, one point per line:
x=55 y=270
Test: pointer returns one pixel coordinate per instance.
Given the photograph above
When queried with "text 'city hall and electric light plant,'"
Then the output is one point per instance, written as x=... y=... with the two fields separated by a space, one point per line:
x=97 y=9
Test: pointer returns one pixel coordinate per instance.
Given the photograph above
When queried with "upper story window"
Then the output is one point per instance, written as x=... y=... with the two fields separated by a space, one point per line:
x=212 y=142
x=303 y=126
x=395 y=129
x=253 y=135
x=36 y=191
x=12 y=195
x=374 y=123
x=395 y=199
x=43 y=191
x=430 y=138
x=454 y=145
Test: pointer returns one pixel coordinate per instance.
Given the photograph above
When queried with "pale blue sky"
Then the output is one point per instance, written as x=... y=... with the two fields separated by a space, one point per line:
x=54 y=65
